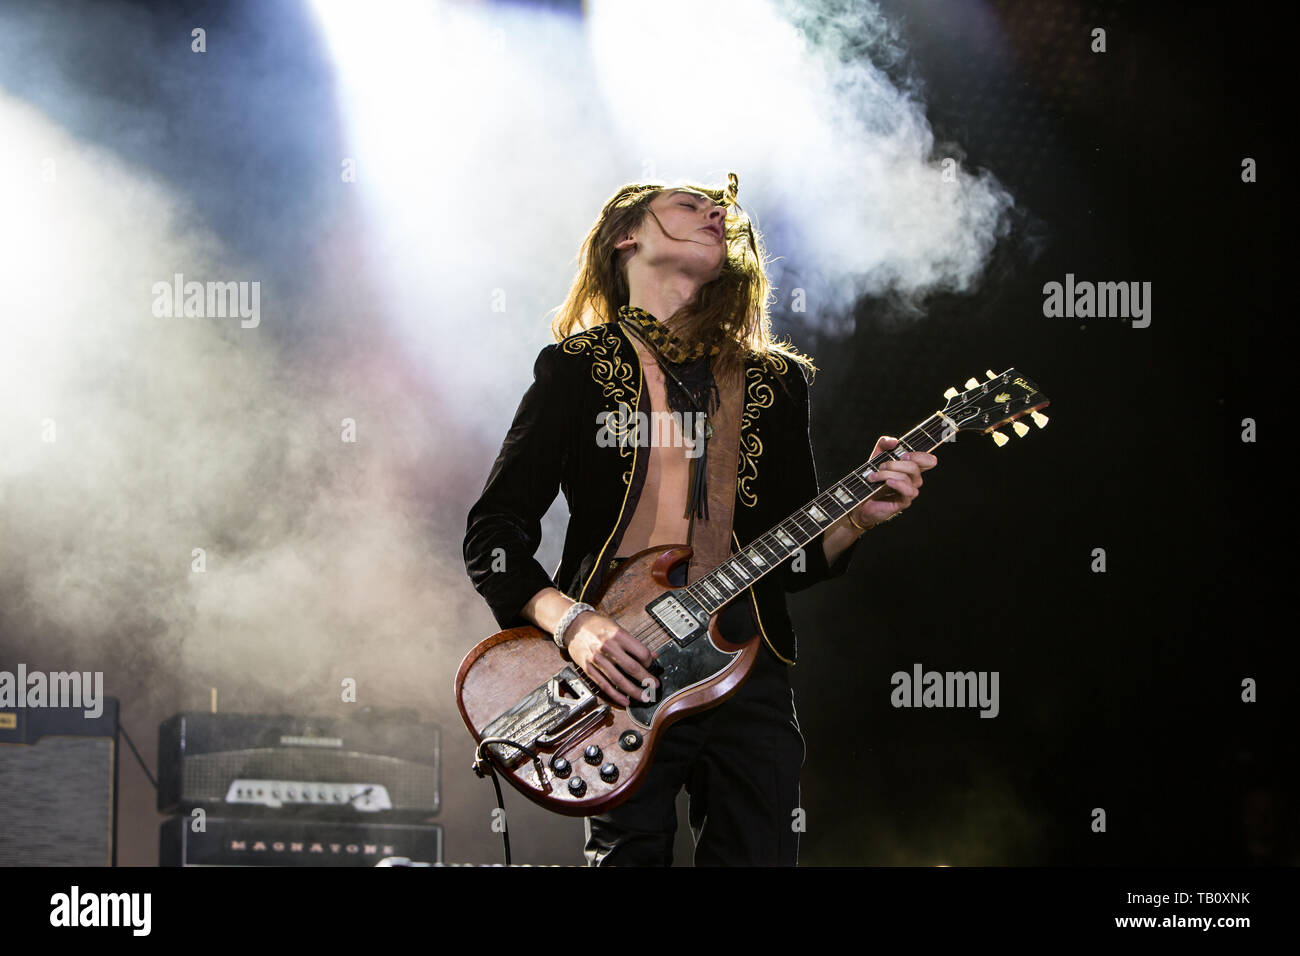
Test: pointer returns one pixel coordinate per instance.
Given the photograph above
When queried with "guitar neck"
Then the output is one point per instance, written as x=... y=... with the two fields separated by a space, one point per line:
x=772 y=549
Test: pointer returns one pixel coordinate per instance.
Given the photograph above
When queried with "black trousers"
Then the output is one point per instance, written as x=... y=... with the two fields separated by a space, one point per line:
x=740 y=764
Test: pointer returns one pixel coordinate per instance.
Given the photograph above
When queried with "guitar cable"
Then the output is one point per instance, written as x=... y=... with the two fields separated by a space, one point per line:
x=481 y=761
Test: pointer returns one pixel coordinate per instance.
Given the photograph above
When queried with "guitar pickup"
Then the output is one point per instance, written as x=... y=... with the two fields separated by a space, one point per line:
x=677 y=618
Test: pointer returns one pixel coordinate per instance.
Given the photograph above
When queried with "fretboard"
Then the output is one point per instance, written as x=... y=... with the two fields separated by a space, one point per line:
x=772 y=549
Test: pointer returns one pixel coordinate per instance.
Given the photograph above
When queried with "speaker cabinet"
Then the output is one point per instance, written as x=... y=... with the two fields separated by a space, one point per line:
x=58 y=786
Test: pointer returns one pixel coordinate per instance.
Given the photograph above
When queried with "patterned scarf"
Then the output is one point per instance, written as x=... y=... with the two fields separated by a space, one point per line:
x=690 y=387
x=662 y=338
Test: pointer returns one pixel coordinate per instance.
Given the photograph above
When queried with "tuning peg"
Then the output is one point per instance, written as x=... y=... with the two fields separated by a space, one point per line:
x=951 y=393
x=990 y=373
x=971 y=383
x=1040 y=419
x=1020 y=428
x=1000 y=438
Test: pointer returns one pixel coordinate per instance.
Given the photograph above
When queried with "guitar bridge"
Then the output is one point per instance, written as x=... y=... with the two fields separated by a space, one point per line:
x=558 y=707
x=576 y=731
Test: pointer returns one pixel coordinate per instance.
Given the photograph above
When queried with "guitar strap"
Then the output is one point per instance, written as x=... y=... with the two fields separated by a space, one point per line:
x=710 y=539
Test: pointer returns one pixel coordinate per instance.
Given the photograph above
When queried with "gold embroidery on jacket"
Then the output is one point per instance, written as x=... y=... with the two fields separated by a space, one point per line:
x=614 y=369
x=760 y=396
x=614 y=376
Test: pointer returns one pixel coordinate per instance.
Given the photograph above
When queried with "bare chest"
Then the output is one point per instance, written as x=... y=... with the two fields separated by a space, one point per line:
x=660 y=514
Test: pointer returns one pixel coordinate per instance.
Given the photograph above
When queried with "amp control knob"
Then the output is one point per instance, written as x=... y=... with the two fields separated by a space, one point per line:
x=609 y=773
x=592 y=755
x=577 y=786
x=561 y=767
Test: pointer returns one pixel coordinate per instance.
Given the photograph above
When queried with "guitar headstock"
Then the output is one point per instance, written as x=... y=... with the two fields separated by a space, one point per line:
x=999 y=400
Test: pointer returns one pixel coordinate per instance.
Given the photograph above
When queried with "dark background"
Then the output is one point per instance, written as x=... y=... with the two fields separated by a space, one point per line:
x=1119 y=690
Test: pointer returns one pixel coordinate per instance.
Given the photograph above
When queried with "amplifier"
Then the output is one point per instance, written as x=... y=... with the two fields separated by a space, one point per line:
x=58 y=784
x=277 y=841
x=249 y=765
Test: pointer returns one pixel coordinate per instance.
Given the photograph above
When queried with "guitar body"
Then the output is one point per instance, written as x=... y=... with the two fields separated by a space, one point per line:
x=519 y=685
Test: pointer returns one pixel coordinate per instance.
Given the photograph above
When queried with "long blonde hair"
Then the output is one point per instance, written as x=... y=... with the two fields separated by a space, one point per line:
x=731 y=310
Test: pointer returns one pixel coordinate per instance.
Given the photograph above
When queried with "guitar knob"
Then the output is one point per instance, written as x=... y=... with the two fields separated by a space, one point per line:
x=609 y=773
x=1020 y=428
x=577 y=786
x=971 y=382
x=592 y=755
x=561 y=767
x=1039 y=419
x=990 y=373
x=951 y=393
x=1000 y=438
x=630 y=740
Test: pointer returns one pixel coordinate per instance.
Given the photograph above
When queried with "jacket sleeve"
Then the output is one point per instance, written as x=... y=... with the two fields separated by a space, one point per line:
x=504 y=529
x=803 y=488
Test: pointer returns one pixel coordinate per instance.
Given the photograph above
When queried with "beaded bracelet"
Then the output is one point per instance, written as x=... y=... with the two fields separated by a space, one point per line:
x=574 y=610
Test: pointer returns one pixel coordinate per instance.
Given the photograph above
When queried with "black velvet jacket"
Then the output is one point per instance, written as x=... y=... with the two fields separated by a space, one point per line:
x=552 y=444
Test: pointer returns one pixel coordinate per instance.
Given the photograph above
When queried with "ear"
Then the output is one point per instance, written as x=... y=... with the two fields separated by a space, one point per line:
x=627 y=242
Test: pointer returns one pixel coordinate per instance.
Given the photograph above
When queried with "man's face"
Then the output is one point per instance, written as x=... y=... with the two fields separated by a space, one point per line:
x=694 y=242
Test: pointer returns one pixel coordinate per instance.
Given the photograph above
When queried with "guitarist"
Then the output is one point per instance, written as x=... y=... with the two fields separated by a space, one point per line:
x=668 y=312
